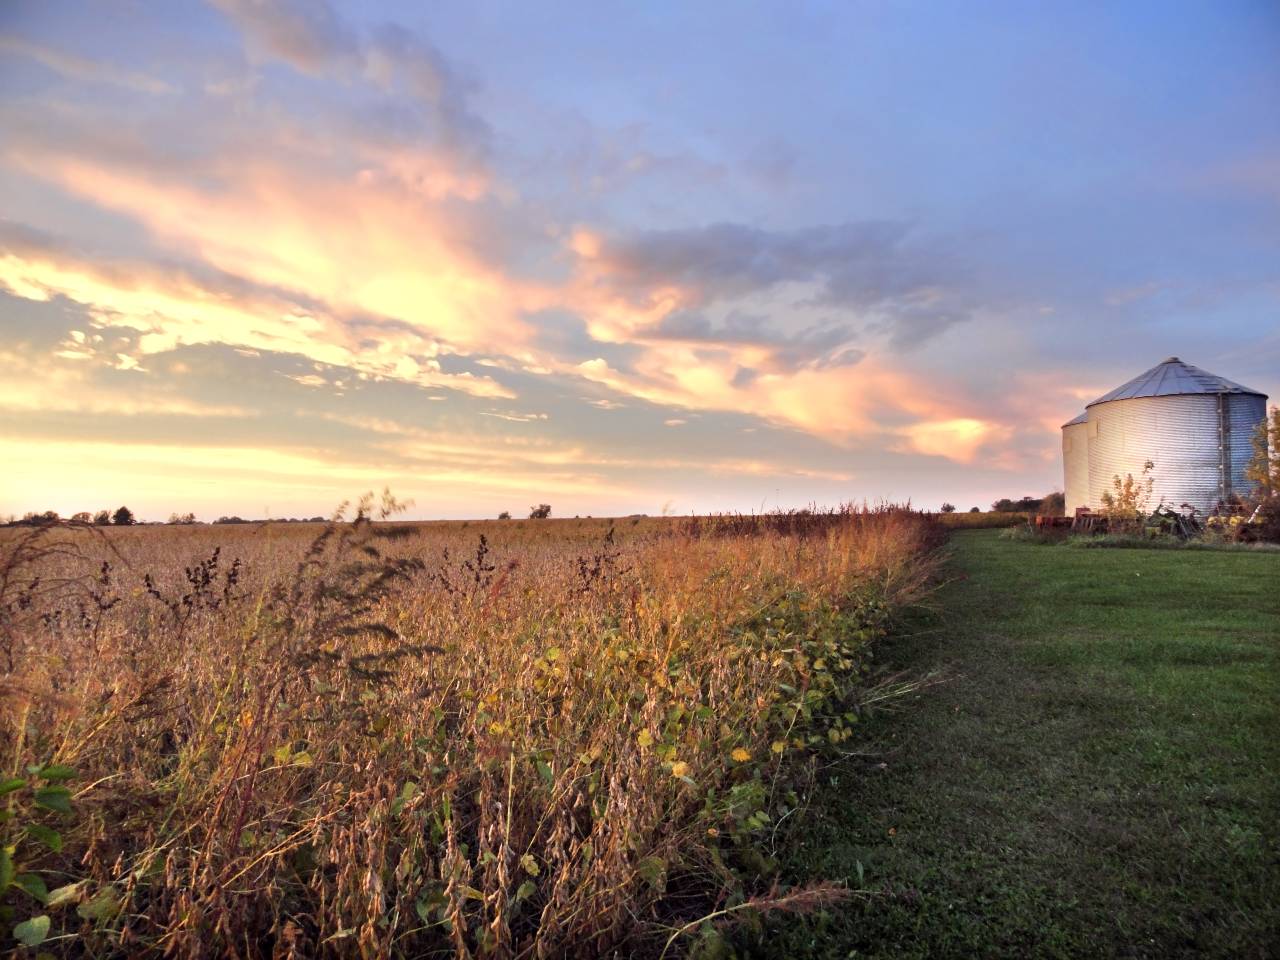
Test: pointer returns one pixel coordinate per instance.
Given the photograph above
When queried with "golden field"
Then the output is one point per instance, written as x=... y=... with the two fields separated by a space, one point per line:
x=533 y=738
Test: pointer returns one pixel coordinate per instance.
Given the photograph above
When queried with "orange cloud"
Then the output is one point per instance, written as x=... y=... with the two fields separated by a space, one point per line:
x=370 y=243
x=841 y=404
x=961 y=438
x=172 y=310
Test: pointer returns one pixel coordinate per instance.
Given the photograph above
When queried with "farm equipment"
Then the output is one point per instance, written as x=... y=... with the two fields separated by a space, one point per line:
x=1167 y=522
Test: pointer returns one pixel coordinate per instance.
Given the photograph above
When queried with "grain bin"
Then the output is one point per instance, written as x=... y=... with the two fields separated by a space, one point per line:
x=1194 y=426
x=1075 y=463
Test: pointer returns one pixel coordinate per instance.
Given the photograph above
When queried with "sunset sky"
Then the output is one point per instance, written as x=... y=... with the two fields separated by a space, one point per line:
x=257 y=258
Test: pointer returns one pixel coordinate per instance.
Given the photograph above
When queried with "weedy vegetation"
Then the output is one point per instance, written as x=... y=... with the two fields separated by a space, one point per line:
x=374 y=738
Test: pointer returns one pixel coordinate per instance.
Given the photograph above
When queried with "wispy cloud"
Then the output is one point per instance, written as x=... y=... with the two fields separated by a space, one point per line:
x=82 y=68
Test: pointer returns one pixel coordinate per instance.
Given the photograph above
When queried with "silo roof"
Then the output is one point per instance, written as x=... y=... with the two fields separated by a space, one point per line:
x=1080 y=419
x=1170 y=378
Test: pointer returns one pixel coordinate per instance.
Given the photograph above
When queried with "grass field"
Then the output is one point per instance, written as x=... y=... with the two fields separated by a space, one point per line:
x=1100 y=776
x=517 y=739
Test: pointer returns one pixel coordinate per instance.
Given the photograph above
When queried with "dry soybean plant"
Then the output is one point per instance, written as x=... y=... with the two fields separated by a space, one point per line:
x=375 y=738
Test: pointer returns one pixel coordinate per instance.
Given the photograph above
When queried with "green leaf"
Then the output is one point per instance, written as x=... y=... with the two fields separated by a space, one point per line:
x=49 y=837
x=104 y=905
x=32 y=932
x=6 y=869
x=33 y=884
x=526 y=890
x=545 y=771
x=652 y=870
x=54 y=798
x=8 y=786
x=57 y=771
x=431 y=899
x=407 y=793
x=65 y=895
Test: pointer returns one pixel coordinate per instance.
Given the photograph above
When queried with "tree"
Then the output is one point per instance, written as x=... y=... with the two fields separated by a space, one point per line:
x=123 y=517
x=81 y=517
x=948 y=508
x=1263 y=471
x=974 y=510
x=540 y=512
x=102 y=518
x=1055 y=504
x=505 y=515
x=182 y=518
x=1025 y=505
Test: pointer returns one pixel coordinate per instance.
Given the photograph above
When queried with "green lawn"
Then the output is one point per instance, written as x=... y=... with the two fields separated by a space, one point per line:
x=1100 y=777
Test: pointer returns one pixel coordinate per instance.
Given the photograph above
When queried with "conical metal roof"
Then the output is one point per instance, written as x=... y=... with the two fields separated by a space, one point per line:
x=1170 y=378
x=1080 y=419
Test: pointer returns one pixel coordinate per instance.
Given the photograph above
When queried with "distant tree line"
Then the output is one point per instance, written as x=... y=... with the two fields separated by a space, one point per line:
x=1054 y=504
x=121 y=517
x=124 y=517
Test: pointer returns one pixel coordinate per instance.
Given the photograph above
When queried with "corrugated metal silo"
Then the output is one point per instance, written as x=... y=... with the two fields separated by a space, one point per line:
x=1195 y=427
x=1075 y=463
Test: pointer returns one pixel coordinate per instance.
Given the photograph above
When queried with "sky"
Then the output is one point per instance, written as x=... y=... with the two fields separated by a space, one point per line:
x=259 y=257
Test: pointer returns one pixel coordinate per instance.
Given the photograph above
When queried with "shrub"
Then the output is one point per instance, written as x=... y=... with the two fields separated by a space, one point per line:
x=541 y=512
x=1126 y=503
x=46 y=519
x=123 y=517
